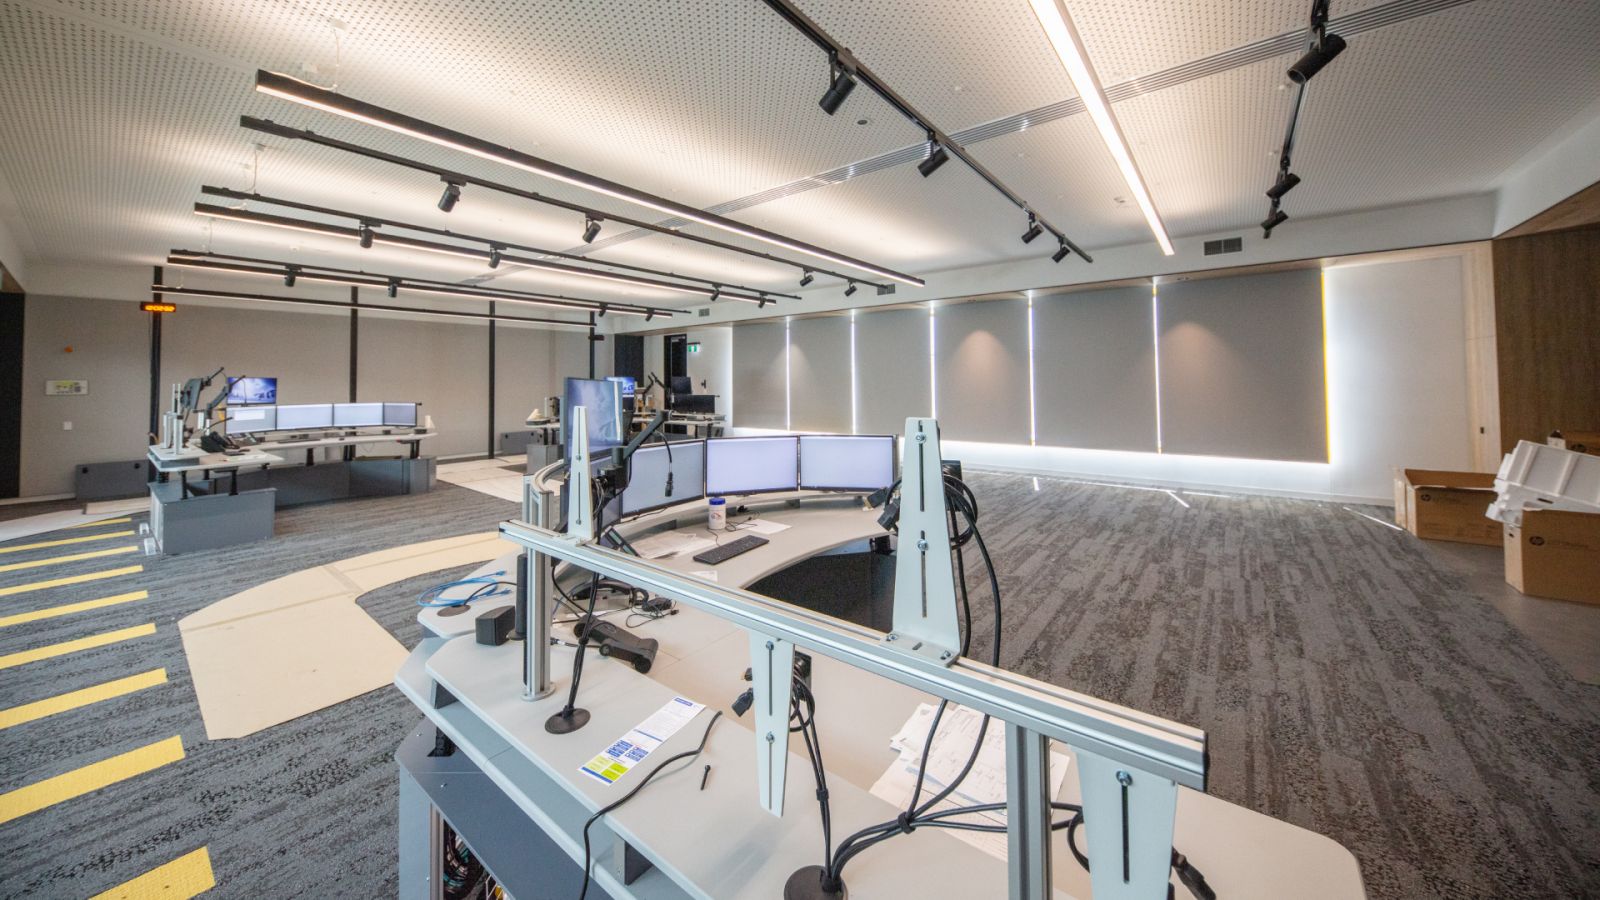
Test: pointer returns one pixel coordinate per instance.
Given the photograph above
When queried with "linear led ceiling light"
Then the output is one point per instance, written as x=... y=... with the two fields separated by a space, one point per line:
x=843 y=63
x=1058 y=27
x=484 y=256
x=311 y=137
x=365 y=307
x=369 y=222
x=301 y=92
x=246 y=265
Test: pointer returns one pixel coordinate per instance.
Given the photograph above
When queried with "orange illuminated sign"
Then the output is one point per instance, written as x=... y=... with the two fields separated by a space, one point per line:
x=151 y=306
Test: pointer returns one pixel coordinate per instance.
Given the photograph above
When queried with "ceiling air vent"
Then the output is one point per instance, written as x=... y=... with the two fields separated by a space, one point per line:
x=1226 y=245
x=703 y=311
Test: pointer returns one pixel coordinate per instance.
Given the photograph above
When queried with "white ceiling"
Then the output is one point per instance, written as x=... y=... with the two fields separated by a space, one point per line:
x=114 y=112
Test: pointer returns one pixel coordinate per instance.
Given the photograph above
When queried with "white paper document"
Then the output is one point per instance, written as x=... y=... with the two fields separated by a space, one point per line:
x=671 y=543
x=641 y=740
x=763 y=526
x=952 y=745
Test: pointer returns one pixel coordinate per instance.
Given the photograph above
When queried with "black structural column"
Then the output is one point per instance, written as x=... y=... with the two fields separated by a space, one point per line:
x=490 y=451
x=12 y=313
x=355 y=330
x=155 y=360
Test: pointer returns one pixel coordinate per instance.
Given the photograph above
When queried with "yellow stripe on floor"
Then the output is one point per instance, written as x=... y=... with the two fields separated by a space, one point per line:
x=65 y=647
x=69 y=608
x=65 y=541
x=102 y=522
x=61 y=703
x=70 y=579
x=187 y=876
x=71 y=557
x=47 y=793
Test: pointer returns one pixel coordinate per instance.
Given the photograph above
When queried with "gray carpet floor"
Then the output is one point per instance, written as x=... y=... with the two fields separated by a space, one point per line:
x=1349 y=679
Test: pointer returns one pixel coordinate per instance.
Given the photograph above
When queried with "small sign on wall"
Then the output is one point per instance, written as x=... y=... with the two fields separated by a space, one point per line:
x=66 y=388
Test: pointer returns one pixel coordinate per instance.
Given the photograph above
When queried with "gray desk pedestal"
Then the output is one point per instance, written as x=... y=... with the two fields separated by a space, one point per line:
x=185 y=524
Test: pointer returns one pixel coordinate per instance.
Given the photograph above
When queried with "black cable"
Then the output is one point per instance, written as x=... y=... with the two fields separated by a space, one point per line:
x=687 y=754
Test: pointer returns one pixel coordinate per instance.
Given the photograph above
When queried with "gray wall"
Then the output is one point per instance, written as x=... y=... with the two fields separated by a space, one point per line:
x=981 y=381
x=441 y=363
x=819 y=374
x=891 y=369
x=760 y=371
x=1094 y=370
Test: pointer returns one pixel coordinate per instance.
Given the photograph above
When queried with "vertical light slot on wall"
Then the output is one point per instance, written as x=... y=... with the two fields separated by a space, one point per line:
x=1155 y=353
x=788 y=379
x=854 y=403
x=933 y=371
x=1327 y=366
x=1033 y=430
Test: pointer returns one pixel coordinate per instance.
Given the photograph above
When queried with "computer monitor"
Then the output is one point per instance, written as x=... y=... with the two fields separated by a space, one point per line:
x=357 y=415
x=252 y=419
x=603 y=401
x=647 y=476
x=305 y=416
x=695 y=404
x=751 y=465
x=681 y=384
x=251 y=389
x=400 y=415
x=846 y=462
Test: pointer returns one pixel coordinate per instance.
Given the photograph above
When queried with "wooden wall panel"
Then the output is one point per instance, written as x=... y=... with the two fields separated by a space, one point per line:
x=1547 y=327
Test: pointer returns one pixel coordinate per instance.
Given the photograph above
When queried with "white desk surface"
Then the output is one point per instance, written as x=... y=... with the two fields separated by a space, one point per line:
x=193 y=459
x=339 y=440
x=733 y=848
x=543 y=424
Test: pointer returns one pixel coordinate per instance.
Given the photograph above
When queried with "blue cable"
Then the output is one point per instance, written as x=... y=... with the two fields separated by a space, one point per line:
x=487 y=584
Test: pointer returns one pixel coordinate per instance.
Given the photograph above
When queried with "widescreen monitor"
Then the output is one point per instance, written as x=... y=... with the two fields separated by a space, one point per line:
x=305 y=416
x=846 y=462
x=252 y=419
x=251 y=389
x=751 y=465
x=647 y=476
x=603 y=402
x=357 y=415
x=400 y=415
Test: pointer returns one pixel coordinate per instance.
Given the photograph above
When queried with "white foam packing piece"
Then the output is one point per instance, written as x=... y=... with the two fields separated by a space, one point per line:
x=1539 y=476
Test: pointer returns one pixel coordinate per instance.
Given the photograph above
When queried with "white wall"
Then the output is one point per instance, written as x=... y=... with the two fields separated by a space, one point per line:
x=713 y=364
x=1402 y=358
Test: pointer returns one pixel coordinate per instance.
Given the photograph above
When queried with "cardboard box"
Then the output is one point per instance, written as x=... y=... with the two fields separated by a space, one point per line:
x=1556 y=554
x=1446 y=506
x=1577 y=441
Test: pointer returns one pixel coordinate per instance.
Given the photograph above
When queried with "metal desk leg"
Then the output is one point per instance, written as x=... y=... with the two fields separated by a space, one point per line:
x=183 y=485
x=536 y=682
x=309 y=452
x=1028 y=813
x=416 y=449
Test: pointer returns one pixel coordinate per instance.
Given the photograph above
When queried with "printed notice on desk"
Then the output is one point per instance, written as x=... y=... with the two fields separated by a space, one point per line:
x=642 y=740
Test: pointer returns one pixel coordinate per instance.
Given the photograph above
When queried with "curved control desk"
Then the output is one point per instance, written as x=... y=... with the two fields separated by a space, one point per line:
x=718 y=842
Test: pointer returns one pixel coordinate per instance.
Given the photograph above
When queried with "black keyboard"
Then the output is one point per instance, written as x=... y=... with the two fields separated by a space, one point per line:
x=724 y=552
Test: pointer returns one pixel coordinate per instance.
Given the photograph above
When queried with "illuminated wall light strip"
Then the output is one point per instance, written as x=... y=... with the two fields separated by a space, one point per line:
x=1033 y=430
x=165 y=289
x=1327 y=367
x=1155 y=353
x=1063 y=36
x=306 y=94
x=854 y=395
x=788 y=378
x=933 y=370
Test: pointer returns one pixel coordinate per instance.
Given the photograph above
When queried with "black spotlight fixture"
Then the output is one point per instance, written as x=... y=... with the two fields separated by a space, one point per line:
x=1285 y=183
x=1320 y=54
x=1060 y=254
x=850 y=290
x=452 y=193
x=842 y=83
x=936 y=158
x=366 y=236
x=806 y=278
x=394 y=287
x=602 y=311
x=494 y=257
x=591 y=228
x=716 y=293
x=1277 y=218
x=288 y=276
x=1033 y=230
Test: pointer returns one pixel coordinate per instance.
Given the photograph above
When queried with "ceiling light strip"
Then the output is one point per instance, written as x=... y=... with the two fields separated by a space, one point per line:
x=1063 y=36
x=936 y=138
x=266 y=126
x=372 y=221
x=166 y=289
x=297 y=91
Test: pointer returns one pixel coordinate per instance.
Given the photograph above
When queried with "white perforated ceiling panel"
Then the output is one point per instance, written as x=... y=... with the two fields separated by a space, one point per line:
x=116 y=112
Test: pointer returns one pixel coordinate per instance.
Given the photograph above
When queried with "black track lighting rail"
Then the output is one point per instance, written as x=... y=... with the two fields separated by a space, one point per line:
x=175 y=290
x=372 y=221
x=267 y=126
x=1321 y=50
x=841 y=60
x=250 y=265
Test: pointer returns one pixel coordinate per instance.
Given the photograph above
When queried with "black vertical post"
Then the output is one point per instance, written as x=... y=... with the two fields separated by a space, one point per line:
x=591 y=345
x=355 y=329
x=155 y=361
x=12 y=319
x=491 y=380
